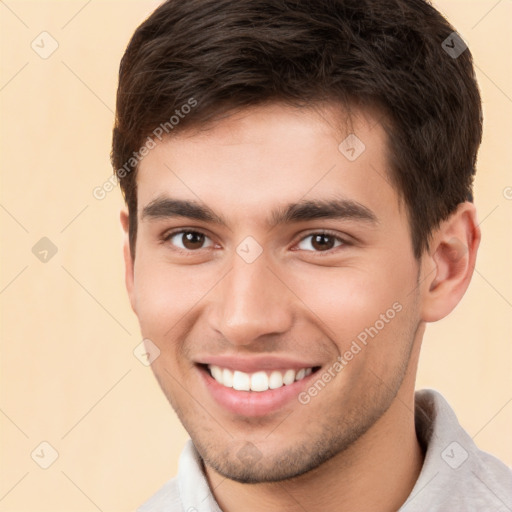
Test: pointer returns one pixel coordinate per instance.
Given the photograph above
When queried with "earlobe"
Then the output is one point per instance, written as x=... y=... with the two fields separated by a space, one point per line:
x=452 y=257
x=128 y=260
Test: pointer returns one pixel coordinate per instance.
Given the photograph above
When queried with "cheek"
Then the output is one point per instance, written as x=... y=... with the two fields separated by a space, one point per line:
x=372 y=355
x=165 y=294
x=346 y=301
x=368 y=319
x=165 y=298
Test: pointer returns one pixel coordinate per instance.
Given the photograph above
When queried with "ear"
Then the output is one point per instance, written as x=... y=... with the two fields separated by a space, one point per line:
x=448 y=267
x=128 y=260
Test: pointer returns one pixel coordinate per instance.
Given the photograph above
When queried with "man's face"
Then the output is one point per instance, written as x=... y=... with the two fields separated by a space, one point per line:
x=269 y=294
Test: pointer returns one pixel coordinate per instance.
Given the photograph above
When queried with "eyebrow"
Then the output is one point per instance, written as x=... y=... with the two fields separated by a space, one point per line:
x=305 y=210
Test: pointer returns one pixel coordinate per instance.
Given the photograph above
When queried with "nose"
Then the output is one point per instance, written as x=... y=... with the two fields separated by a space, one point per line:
x=251 y=301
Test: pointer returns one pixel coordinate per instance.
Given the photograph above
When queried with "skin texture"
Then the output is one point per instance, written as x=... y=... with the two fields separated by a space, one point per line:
x=352 y=446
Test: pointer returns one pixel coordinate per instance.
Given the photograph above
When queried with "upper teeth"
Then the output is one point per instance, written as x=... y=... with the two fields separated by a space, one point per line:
x=258 y=381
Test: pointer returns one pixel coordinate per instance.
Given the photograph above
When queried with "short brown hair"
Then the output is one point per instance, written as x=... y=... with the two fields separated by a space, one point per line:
x=230 y=54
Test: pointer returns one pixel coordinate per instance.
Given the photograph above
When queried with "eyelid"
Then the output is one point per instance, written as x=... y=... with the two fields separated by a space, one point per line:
x=166 y=236
x=343 y=239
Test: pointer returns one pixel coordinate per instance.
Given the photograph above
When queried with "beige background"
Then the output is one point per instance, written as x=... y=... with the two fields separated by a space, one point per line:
x=68 y=373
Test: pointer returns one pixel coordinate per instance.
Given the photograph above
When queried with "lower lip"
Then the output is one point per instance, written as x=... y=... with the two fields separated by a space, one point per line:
x=253 y=403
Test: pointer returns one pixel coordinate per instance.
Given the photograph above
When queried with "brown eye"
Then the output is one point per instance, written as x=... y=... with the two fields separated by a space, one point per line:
x=320 y=242
x=188 y=240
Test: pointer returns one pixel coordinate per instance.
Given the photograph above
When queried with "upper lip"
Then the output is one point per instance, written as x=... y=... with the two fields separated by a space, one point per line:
x=254 y=363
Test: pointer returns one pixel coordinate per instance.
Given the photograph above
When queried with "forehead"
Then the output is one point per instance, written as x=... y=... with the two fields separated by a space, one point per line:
x=246 y=164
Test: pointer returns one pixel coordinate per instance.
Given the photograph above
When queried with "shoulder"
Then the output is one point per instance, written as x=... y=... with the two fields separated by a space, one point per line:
x=456 y=474
x=492 y=479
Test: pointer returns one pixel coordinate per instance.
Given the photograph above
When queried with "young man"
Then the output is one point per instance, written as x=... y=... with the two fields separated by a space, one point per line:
x=298 y=176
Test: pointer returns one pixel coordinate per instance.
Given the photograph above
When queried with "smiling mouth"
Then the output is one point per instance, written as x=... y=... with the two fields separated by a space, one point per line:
x=258 y=381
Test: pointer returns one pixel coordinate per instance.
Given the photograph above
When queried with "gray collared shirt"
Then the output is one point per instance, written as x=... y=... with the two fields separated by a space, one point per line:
x=456 y=475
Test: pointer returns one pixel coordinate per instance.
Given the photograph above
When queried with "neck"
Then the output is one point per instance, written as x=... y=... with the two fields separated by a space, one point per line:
x=375 y=474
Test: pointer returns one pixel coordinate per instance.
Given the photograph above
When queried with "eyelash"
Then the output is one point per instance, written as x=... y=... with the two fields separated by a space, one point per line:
x=167 y=236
